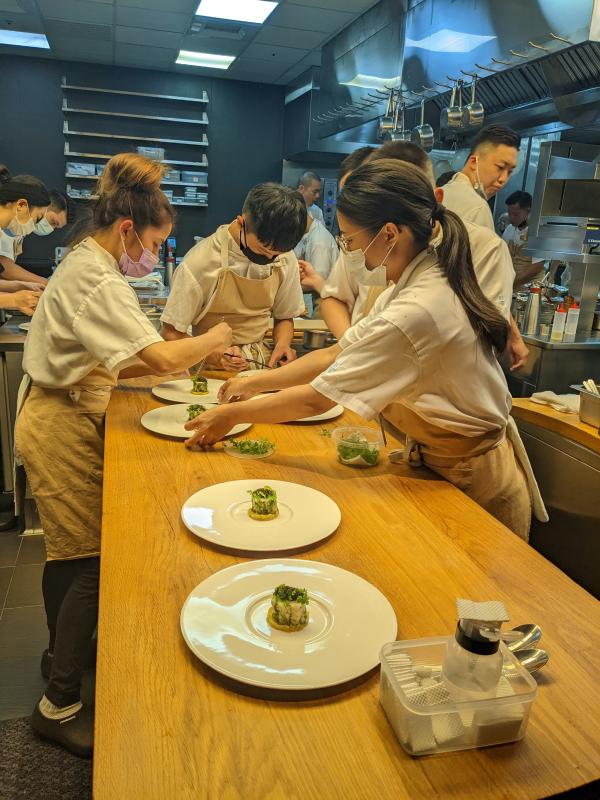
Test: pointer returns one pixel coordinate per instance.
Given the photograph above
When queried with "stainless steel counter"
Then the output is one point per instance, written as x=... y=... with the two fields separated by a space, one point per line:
x=589 y=342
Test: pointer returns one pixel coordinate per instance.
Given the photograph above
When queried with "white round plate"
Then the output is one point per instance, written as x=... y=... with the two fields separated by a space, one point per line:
x=169 y=421
x=333 y=413
x=219 y=514
x=181 y=391
x=224 y=623
x=24 y=326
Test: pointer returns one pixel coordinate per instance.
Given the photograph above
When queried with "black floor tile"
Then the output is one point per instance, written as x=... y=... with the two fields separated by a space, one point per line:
x=33 y=550
x=5 y=576
x=9 y=548
x=26 y=586
x=23 y=637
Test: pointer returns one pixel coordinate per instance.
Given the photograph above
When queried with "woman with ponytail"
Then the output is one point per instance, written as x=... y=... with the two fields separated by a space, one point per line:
x=429 y=344
x=87 y=332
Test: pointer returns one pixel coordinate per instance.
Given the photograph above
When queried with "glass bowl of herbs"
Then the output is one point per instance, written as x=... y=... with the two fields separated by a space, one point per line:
x=357 y=446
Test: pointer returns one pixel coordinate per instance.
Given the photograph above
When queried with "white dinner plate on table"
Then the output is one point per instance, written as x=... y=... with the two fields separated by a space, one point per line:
x=169 y=421
x=24 y=326
x=219 y=514
x=224 y=623
x=333 y=413
x=181 y=391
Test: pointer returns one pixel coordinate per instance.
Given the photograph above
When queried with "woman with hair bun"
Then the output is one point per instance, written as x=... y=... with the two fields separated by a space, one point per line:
x=87 y=332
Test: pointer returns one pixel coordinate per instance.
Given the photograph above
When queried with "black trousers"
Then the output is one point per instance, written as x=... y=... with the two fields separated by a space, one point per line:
x=70 y=590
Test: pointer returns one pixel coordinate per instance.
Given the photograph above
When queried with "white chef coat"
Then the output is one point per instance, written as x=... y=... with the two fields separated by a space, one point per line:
x=318 y=247
x=316 y=212
x=461 y=197
x=491 y=260
x=88 y=315
x=418 y=348
x=7 y=246
x=195 y=280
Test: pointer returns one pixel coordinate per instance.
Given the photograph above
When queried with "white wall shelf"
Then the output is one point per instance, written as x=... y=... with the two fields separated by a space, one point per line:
x=178 y=98
x=203 y=121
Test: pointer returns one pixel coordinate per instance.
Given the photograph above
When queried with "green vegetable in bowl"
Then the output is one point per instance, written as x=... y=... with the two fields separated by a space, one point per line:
x=195 y=411
x=199 y=384
x=253 y=447
x=356 y=446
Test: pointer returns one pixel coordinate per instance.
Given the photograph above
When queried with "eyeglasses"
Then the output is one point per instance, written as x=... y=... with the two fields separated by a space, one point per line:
x=344 y=241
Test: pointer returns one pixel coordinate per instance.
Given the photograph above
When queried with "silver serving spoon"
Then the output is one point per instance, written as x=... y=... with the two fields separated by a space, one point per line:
x=530 y=636
x=533 y=659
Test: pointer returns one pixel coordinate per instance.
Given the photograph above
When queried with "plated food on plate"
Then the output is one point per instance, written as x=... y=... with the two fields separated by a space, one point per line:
x=264 y=503
x=199 y=384
x=195 y=410
x=289 y=609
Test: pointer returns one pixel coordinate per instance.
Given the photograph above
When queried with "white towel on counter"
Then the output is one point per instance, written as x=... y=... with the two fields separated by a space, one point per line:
x=569 y=403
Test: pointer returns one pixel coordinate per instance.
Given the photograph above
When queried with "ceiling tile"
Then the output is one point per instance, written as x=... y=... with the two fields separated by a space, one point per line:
x=11 y=6
x=155 y=20
x=58 y=29
x=82 y=49
x=266 y=52
x=178 y=6
x=77 y=11
x=266 y=69
x=209 y=44
x=135 y=54
x=290 y=74
x=312 y=59
x=303 y=18
x=142 y=36
x=22 y=22
x=355 y=7
x=287 y=37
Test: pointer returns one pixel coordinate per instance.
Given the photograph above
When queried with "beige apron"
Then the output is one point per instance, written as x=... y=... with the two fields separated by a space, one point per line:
x=245 y=304
x=59 y=437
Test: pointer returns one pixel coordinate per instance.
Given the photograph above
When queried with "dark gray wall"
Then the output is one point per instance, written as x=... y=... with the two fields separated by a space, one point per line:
x=245 y=133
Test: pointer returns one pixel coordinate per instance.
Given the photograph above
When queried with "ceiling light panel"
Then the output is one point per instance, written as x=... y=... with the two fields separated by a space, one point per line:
x=211 y=60
x=255 y=11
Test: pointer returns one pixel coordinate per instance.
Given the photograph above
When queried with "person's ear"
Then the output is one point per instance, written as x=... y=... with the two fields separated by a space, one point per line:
x=438 y=193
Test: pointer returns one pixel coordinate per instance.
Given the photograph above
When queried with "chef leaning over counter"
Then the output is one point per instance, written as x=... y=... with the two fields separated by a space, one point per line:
x=88 y=330
x=434 y=356
x=244 y=273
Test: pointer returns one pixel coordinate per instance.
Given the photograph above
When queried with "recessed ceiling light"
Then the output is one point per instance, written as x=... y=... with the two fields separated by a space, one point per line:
x=24 y=39
x=239 y=10
x=448 y=41
x=211 y=60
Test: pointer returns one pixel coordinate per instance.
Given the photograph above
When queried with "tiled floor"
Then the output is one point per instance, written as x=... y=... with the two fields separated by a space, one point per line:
x=23 y=632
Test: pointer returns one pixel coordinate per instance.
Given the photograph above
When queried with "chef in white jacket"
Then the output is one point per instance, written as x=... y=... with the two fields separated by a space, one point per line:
x=430 y=345
x=309 y=186
x=318 y=251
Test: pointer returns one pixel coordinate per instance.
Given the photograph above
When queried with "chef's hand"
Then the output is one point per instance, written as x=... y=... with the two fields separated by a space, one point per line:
x=282 y=353
x=236 y=389
x=233 y=360
x=309 y=277
x=31 y=286
x=26 y=301
x=209 y=427
x=518 y=352
x=221 y=337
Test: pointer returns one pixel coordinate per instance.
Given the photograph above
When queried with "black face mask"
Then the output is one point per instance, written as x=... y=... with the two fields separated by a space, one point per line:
x=256 y=258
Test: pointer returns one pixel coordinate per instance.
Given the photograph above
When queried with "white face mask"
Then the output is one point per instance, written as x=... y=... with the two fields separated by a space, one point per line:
x=354 y=261
x=17 y=228
x=43 y=228
x=479 y=188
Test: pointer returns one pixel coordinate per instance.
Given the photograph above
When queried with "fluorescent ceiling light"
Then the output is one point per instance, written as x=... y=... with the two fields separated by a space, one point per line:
x=204 y=59
x=448 y=41
x=239 y=10
x=371 y=82
x=23 y=39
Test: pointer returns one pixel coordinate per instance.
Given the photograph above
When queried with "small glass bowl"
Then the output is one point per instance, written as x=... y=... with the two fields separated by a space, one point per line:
x=356 y=446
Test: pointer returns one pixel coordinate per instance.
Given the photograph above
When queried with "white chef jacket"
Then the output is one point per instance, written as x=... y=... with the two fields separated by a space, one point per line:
x=316 y=212
x=418 y=348
x=491 y=260
x=195 y=280
x=318 y=247
x=88 y=315
x=7 y=246
x=461 y=197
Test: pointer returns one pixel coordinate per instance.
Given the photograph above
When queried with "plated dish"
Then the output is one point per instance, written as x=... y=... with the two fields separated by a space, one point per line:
x=170 y=420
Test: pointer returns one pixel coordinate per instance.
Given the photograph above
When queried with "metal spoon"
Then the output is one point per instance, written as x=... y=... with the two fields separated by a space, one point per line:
x=530 y=636
x=533 y=659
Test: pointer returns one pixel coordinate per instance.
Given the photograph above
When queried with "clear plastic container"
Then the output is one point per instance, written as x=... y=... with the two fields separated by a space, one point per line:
x=356 y=446
x=428 y=717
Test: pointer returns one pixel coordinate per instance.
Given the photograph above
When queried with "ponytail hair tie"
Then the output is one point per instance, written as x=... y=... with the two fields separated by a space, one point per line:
x=437 y=215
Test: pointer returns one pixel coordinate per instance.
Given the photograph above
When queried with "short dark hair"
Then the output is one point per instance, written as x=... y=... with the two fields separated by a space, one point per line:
x=355 y=159
x=307 y=178
x=276 y=215
x=58 y=200
x=402 y=151
x=496 y=135
x=521 y=199
x=445 y=178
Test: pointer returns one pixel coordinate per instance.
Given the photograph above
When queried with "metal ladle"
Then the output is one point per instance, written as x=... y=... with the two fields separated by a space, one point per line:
x=530 y=636
x=533 y=659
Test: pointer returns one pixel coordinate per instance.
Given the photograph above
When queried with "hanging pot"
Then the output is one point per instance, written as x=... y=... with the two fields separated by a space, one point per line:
x=452 y=108
x=386 y=123
x=423 y=134
x=474 y=111
x=399 y=134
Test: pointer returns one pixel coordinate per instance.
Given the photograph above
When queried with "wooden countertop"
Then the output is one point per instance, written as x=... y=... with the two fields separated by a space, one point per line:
x=567 y=425
x=167 y=728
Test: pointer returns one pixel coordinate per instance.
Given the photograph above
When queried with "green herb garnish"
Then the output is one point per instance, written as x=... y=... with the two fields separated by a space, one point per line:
x=355 y=445
x=326 y=433
x=199 y=384
x=290 y=594
x=264 y=500
x=254 y=447
x=195 y=411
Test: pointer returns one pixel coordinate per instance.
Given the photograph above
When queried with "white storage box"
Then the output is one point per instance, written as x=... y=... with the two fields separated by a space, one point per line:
x=76 y=168
x=194 y=177
x=157 y=153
